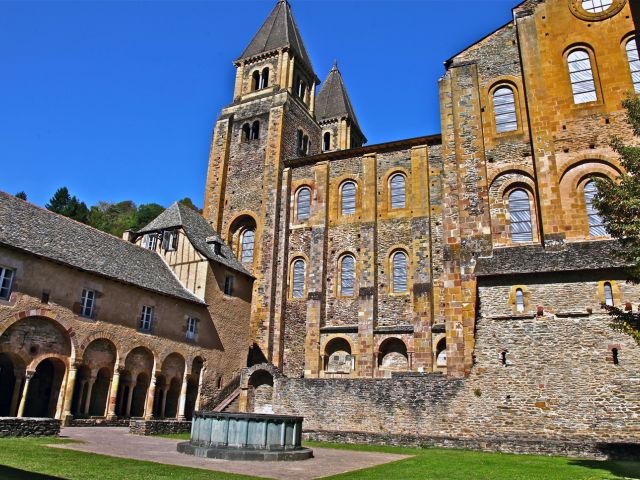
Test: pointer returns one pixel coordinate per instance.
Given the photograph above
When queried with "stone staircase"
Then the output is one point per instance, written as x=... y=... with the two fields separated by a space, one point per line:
x=229 y=404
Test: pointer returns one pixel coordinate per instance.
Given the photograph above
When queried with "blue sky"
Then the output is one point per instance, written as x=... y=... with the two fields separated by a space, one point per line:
x=117 y=99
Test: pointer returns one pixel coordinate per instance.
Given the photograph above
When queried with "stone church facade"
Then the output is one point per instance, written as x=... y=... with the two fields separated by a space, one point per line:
x=456 y=279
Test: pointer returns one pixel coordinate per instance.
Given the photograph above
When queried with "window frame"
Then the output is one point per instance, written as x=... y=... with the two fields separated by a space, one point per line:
x=520 y=302
x=300 y=190
x=390 y=189
x=192 y=333
x=341 y=197
x=293 y=278
x=392 y=272
x=633 y=38
x=607 y=287
x=9 y=285
x=170 y=240
x=340 y=283
x=586 y=195
x=242 y=246
x=594 y=75
x=516 y=107
x=150 y=241
x=87 y=311
x=508 y=194
x=147 y=317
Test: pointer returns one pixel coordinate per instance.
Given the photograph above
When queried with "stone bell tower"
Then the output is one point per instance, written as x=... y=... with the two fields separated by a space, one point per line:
x=271 y=119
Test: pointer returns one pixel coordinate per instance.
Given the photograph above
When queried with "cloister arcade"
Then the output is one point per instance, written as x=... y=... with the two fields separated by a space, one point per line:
x=46 y=372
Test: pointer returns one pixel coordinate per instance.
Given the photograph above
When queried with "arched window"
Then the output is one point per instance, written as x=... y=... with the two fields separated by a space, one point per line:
x=246 y=132
x=264 y=78
x=398 y=190
x=399 y=260
x=519 y=300
x=300 y=140
x=303 y=203
x=246 y=246
x=520 y=217
x=297 y=280
x=596 y=224
x=504 y=110
x=348 y=198
x=255 y=83
x=581 y=76
x=255 y=130
x=634 y=63
x=347 y=275
x=596 y=6
x=302 y=89
x=441 y=353
x=608 y=294
x=326 y=142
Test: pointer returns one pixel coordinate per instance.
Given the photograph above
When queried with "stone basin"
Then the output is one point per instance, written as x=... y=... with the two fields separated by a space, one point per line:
x=246 y=436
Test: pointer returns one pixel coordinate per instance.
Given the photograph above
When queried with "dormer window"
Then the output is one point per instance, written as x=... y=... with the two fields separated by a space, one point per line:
x=150 y=241
x=169 y=240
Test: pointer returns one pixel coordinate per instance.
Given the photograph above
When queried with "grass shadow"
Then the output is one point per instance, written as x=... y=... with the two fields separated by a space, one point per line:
x=10 y=473
x=620 y=468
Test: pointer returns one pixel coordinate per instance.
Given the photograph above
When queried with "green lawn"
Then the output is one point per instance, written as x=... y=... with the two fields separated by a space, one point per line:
x=444 y=464
x=30 y=459
x=22 y=459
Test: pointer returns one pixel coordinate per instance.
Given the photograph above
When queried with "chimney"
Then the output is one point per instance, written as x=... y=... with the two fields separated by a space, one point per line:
x=129 y=236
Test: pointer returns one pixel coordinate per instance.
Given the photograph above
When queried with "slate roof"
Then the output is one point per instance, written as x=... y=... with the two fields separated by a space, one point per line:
x=333 y=100
x=37 y=231
x=197 y=230
x=279 y=30
x=595 y=255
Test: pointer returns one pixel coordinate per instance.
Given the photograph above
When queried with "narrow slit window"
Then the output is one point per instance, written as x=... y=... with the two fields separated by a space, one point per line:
x=634 y=63
x=399 y=272
x=504 y=109
x=228 y=285
x=581 y=76
x=348 y=198
x=397 y=184
x=520 y=217
x=614 y=356
x=608 y=294
x=255 y=84
x=297 y=287
x=255 y=130
x=326 y=142
x=303 y=203
x=347 y=276
x=596 y=223
x=246 y=246
x=519 y=300
x=264 y=78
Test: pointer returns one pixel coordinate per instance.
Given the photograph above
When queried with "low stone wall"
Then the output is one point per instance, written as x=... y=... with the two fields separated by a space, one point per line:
x=532 y=446
x=29 y=427
x=158 y=427
x=97 y=422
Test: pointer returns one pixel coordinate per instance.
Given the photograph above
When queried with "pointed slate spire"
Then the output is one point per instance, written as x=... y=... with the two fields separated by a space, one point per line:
x=279 y=30
x=333 y=100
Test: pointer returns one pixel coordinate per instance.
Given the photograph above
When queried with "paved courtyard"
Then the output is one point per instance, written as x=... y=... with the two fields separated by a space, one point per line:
x=117 y=442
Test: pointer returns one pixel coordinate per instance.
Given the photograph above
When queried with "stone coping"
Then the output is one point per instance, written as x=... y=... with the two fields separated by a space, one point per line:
x=245 y=416
x=250 y=454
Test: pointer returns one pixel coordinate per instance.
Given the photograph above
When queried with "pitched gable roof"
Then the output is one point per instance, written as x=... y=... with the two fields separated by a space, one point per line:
x=333 y=100
x=37 y=231
x=279 y=30
x=199 y=232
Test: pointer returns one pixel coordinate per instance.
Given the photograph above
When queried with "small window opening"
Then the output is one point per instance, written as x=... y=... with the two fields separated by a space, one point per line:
x=170 y=240
x=87 y=303
x=614 y=356
x=255 y=130
x=246 y=132
x=192 y=328
x=228 y=285
x=264 y=78
x=150 y=241
x=608 y=294
x=326 y=142
x=45 y=297
x=503 y=358
x=146 y=318
x=219 y=383
x=519 y=300
x=255 y=84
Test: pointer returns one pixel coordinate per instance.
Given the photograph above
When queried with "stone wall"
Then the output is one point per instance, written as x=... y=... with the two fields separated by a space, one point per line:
x=29 y=427
x=158 y=427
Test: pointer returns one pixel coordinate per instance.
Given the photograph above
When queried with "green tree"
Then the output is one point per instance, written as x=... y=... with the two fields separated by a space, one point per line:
x=187 y=202
x=146 y=213
x=619 y=205
x=69 y=206
x=21 y=195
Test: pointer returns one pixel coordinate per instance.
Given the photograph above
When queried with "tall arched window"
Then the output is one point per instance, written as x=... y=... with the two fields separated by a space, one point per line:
x=504 y=110
x=347 y=275
x=348 y=198
x=399 y=261
x=255 y=83
x=634 y=63
x=596 y=224
x=255 y=130
x=264 y=78
x=246 y=246
x=297 y=280
x=303 y=203
x=519 y=300
x=581 y=76
x=398 y=190
x=608 y=294
x=326 y=142
x=246 y=132
x=520 y=216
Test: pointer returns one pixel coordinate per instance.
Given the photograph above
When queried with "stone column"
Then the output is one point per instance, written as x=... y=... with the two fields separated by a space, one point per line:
x=163 y=402
x=68 y=393
x=87 y=399
x=197 y=406
x=132 y=385
x=25 y=393
x=151 y=392
x=113 y=394
x=183 y=398
x=16 y=393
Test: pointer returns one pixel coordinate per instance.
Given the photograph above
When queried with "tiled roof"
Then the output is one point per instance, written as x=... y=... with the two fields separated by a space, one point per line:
x=198 y=231
x=594 y=255
x=37 y=231
x=279 y=30
x=333 y=100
